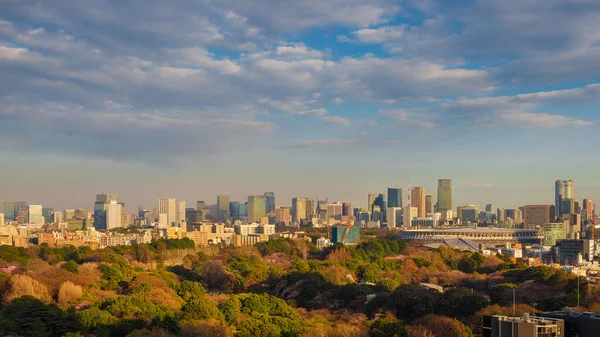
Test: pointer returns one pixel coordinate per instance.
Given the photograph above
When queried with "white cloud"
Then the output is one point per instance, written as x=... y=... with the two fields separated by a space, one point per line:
x=336 y=120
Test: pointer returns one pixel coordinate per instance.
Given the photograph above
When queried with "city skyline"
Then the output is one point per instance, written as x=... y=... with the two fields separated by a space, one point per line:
x=206 y=98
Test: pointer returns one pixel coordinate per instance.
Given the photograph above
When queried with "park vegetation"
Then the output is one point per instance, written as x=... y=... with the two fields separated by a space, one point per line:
x=281 y=287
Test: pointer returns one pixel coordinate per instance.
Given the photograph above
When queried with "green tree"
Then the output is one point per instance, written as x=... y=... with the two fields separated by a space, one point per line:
x=385 y=327
x=200 y=310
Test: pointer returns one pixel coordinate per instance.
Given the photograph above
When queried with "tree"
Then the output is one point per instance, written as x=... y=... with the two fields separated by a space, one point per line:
x=460 y=303
x=385 y=327
x=411 y=301
x=71 y=267
x=189 y=290
x=200 y=310
x=68 y=292
x=30 y=316
x=23 y=285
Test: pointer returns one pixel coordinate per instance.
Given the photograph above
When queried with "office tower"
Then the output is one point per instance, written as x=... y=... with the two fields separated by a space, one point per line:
x=163 y=219
x=8 y=208
x=394 y=197
x=589 y=208
x=563 y=189
x=47 y=214
x=1 y=219
x=468 y=213
x=371 y=201
x=223 y=208
x=299 y=211
x=501 y=216
x=408 y=214
x=310 y=209
x=21 y=210
x=394 y=217
x=234 y=210
x=347 y=209
x=418 y=200
x=567 y=206
x=537 y=215
x=491 y=208
x=35 y=214
x=444 y=197
x=168 y=206
x=429 y=205
x=283 y=215
x=554 y=231
x=334 y=211
x=379 y=202
x=180 y=212
x=200 y=205
x=100 y=206
x=57 y=217
x=256 y=207
x=70 y=214
x=114 y=215
x=269 y=202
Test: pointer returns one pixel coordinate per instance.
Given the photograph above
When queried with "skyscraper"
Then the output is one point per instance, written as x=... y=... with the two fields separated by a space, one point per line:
x=347 y=209
x=269 y=202
x=444 y=197
x=180 y=212
x=47 y=213
x=418 y=200
x=35 y=214
x=429 y=205
x=283 y=216
x=223 y=208
x=563 y=189
x=256 y=208
x=371 y=201
x=8 y=210
x=334 y=211
x=310 y=209
x=100 y=206
x=380 y=202
x=21 y=211
x=537 y=215
x=394 y=198
x=299 y=212
x=113 y=215
x=168 y=206
x=588 y=207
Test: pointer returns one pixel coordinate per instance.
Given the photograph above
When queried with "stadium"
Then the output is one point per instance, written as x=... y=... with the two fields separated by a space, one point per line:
x=485 y=235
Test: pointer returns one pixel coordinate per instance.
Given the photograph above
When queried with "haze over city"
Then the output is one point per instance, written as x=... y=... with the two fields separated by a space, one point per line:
x=336 y=99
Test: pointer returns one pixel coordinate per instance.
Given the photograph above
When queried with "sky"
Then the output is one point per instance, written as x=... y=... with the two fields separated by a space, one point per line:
x=337 y=99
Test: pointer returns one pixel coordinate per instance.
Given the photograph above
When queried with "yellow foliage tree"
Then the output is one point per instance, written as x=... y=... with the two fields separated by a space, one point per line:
x=23 y=285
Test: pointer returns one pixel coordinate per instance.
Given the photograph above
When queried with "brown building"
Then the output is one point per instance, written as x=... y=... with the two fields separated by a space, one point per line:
x=418 y=201
x=537 y=215
x=502 y=326
x=283 y=215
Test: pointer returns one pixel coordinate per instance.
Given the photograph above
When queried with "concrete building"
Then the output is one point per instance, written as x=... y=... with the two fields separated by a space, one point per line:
x=444 y=196
x=8 y=209
x=168 y=206
x=485 y=235
x=100 y=206
x=418 y=201
x=589 y=209
x=371 y=201
x=34 y=214
x=563 y=189
x=573 y=252
x=334 y=211
x=424 y=223
x=468 y=213
x=537 y=215
x=429 y=209
x=113 y=215
x=181 y=218
x=283 y=215
x=576 y=324
x=256 y=207
x=526 y=326
x=394 y=217
x=269 y=202
x=408 y=214
x=163 y=219
x=1 y=219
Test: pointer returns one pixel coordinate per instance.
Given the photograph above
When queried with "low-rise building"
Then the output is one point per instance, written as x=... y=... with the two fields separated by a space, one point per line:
x=526 y=326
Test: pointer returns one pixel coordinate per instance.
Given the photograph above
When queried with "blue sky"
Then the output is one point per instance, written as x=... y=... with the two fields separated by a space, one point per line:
x=190 y=99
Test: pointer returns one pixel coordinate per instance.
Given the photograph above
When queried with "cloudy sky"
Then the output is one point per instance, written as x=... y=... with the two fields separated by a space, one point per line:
x=336 y=98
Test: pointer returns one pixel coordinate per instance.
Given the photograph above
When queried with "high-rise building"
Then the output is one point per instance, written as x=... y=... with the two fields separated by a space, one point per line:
x=70 y=214
x=223 y=208
x=114 y=215
x=380 y=202
x=563 y=189
x=589 y=208
x=47 y=213
x=334 y=211
x=180 y=212
x=283 y=216
x=8 y=209
x=394 y=197
x=21 y=210
x=1 y=219
x=501 y=216
x=256 y=208
x=234 y=210
x=567 y=206
x=269 y=202
x=57 y=217
x=554 y=231
x=100 y=206
x=537 y=215
x=371 y=201
x=310 y=209
x=35 y=214
x=468 y=213
x=299 y=211
x=394 y=217
x=418 y=200
x=429 y=205
x=200 y=205
x=408 y=214
x=168 y=206
x=346 y=209
x=444 y=197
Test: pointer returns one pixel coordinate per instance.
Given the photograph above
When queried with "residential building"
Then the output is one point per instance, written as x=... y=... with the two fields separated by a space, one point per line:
x=526 y=326
x=168 y=206
x=256 y=207
x=537 y=215
x=418 y=200
x=444 y=197
x=394 y=197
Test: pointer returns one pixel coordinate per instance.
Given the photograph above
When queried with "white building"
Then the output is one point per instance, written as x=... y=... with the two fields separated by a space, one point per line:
x=394 y=217
x=163 y=219
x=35 y=214
x=168 y=206
x=323 y=242
x=180 y=212
x=408 y=214
x=57 y=217
x=2 y=219
x=424 y=222
x=113 y=215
